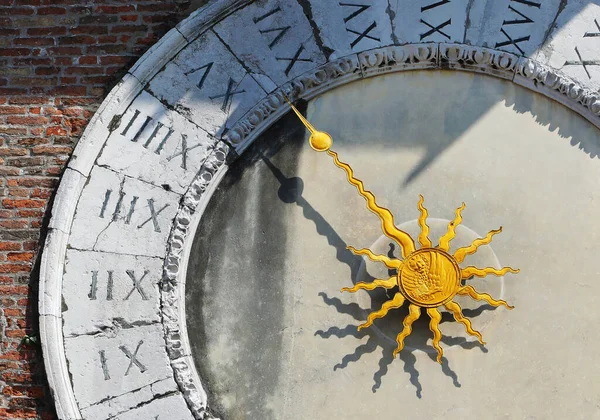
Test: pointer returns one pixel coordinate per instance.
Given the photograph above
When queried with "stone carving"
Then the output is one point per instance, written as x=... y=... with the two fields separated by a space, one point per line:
x=172 y=294
x=561 y=88
x=306 y=86
x=478 y=59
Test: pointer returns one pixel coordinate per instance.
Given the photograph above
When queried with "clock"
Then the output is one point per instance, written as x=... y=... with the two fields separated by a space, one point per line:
x=204 y=261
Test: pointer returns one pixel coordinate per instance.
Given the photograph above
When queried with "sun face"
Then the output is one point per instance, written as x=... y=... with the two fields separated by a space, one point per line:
x=428 y=277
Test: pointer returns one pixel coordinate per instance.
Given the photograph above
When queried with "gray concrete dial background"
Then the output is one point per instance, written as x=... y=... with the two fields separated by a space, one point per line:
x=272 y=335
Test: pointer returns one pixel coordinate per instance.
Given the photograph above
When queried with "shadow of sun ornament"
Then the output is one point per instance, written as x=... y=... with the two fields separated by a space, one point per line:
x=428 y=277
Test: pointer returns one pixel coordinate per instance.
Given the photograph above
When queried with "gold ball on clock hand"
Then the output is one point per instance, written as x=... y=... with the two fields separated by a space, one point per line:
x=319 y=140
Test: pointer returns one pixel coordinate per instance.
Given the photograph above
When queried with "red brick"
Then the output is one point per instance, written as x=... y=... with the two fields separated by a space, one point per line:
x=13 y=151
x=12 y=52
x=58 y=30
x=51 y=11
x=16 y=11
x=13 y=224
x=4 y=171
x=77 y=39
x=30 y=213
x=10 y=246
x=30 y=100
x=90 y=59
x=155 y=7
x=97 y=19
x=96 y=80
x=32 y=61
x=35 y=81
x=12 y=91
x=89 y=30
x=14 y=268
x=51 y=150
x=63 y=61
x=13 y=312
x=14 y=110
x=63 y=51
x=105 y=49
x=37 y=182
x=56 y=131
x=15 y=333
x=69 y=90
x=47 y=70
x=116 y=59
x=114 y=9
x=20 y=256
x=30 y=245
x=12 y=204
x=33 y=41
x=27 y=120
x=84 y=70
x=128 y=28
x=129 y=18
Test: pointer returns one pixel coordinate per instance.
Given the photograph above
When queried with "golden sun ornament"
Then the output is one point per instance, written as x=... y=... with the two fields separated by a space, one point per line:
x=428 y=277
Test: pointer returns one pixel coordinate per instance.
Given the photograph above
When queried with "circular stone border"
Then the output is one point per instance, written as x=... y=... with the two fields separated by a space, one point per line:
x=452 y=56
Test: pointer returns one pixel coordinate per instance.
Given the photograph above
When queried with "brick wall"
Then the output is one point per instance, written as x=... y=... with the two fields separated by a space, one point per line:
x=58 y=59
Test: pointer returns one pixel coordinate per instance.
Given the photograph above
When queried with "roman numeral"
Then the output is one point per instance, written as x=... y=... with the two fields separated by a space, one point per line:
x=137 y=285
x=266 y=15
x=228 y=95
x=294 y=59
x=184 y=151
x=360 y=35
x=513 y=42
x=206 y=68
x=593 y=34
x=583 y=63
x=279 y=36
x=517 y=21
x=435 y=29
x=434 y=5
x=523 y=20
x=360 y=9
x=127 y=219
x=153 y=135
x=528 y=3
x=94 y=285
x=133 y=360
x=153 y=215
x=118 y=207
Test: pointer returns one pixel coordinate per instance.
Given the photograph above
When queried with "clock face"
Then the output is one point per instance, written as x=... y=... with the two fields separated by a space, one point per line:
x=198 y=247
x=273 y=336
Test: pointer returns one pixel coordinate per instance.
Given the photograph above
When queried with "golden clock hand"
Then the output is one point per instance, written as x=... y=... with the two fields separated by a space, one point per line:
x=321 y=142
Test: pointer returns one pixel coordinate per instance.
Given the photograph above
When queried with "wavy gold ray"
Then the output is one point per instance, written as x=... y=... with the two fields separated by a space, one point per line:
x=457 y=312
x=386 y=284
x=451 y=233
x=482 y=272
x=461 y=253
x=423 y=236
x=436 y=317
x=389 y=262
x=396 y=302
x=387 y=218
x=470 y=291
x=414 y=312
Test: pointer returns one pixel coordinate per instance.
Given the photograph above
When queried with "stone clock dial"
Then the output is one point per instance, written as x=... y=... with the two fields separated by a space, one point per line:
x=197 y=245
x=274 y=336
